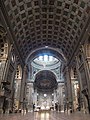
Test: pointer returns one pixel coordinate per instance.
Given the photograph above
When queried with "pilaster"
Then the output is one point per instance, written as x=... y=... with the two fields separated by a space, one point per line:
x=23 y=86
x=68 y=88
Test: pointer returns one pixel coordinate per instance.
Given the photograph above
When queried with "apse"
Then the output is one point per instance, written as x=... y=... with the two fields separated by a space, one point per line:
x=45 y=80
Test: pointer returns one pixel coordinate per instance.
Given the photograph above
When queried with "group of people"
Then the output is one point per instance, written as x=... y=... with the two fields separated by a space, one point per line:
x=57 y=107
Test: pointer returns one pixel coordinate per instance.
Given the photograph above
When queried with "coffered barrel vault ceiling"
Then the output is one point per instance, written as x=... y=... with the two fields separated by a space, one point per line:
x=53 y=23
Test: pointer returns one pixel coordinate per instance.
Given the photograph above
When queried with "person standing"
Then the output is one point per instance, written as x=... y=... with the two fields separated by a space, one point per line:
x=33 y=107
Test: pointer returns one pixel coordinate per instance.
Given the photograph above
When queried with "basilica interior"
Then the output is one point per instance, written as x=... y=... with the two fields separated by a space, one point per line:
x=44 y=56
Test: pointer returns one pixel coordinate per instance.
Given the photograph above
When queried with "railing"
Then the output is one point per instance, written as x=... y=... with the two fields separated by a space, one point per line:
x=6 y=65
x=3 y=74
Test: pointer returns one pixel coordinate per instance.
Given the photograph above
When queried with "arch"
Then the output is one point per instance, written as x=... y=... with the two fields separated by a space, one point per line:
x=45 y=80
x=43 y=70
x=55 y=52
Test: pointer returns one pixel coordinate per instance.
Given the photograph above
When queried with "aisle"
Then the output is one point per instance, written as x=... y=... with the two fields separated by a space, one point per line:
x=45 y=116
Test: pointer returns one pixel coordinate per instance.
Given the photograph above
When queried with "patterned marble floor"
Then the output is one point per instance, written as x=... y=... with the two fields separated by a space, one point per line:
x=45 y=116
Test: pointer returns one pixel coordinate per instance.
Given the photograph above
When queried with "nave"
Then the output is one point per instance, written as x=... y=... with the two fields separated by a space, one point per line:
x=46 y=116
x=44 y=59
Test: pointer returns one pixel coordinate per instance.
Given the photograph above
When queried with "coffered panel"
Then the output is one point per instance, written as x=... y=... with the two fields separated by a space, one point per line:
x=54 y=23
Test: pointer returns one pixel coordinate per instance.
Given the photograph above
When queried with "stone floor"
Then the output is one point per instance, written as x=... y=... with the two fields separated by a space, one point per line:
x=45 y=116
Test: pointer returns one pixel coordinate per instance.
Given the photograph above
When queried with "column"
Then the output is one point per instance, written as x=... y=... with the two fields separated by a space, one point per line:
x=87 y=72
x=30 y=96
x=55 y=99
x=30 y=71
x=23 y=86
x=60 y=96
x=68 y=89
x=79 y=93
x=35 y=97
